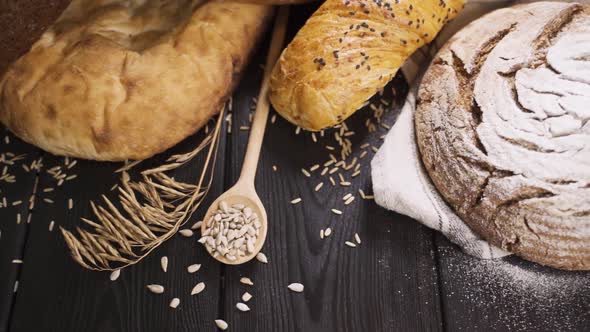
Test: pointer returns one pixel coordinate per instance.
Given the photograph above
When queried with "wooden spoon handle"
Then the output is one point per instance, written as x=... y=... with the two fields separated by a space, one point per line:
x=260 y=117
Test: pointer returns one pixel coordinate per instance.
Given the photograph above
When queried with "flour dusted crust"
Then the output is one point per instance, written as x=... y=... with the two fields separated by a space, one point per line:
x=503 y=127
x=116 y=79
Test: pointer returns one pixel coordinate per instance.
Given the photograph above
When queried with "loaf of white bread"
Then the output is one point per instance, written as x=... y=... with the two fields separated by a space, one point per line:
x=117 y=80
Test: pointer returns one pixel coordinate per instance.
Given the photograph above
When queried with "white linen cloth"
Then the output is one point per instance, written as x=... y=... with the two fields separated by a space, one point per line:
x=400 y=182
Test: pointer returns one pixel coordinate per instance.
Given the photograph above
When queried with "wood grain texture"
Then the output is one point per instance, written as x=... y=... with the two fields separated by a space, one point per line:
x=13 y=235
x=387 y=283
x=510 y=294
x=62 y=296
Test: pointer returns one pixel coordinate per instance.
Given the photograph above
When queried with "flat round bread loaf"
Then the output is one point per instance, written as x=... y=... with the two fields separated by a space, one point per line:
x=503 y=127
x=116 y=80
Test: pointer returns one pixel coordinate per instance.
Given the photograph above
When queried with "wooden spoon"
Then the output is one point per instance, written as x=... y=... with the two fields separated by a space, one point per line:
x=243 y=192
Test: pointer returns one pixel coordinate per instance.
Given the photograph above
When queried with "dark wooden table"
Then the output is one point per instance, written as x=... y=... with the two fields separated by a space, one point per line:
x=402 y=277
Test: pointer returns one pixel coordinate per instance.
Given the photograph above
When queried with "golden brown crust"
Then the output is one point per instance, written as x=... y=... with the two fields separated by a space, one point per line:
x=503 y=135
x=112 y=82
x=346 y=52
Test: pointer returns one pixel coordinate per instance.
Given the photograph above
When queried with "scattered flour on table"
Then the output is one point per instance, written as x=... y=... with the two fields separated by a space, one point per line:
x=506 y=291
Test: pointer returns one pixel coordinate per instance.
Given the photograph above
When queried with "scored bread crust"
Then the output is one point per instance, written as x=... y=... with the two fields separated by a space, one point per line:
x=346 y=52
x=116 y=80
x=502 y=124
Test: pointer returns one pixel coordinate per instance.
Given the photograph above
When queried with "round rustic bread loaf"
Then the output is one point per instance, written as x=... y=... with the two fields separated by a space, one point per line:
x=116 y=79
x=503 y=128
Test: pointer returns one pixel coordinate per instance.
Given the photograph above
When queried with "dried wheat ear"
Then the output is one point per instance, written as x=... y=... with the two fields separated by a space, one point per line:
x=149 y=211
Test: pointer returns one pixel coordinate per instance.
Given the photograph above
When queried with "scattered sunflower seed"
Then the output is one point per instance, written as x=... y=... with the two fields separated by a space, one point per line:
x=156 y=289
x=246 y=281
x=198 y=288
x=174 y=303
x=335 y=211
x=193 y=268
x=332 y=181
x=296 y=287
x=357 y=238
x=349 y=200
x=261 y=257
x=197 y=225
x=350 y=244
x=186 y=232
x=164 y=263
x=221 y=324
x=115 y=275
x=242 y=306
x=246 y=297
x=319 y=186
x=327 y=232
x=296 y=200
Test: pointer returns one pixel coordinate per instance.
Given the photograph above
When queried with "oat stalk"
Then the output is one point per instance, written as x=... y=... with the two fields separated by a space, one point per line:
x=150 y=211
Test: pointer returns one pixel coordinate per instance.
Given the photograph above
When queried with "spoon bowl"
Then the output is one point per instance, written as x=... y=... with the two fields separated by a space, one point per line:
x=246 y=195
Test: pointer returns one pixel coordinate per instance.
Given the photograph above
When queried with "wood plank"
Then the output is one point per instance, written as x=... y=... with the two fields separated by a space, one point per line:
x=510 y=294
x=62 y=296
x=388 y=282
x=12 y=233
